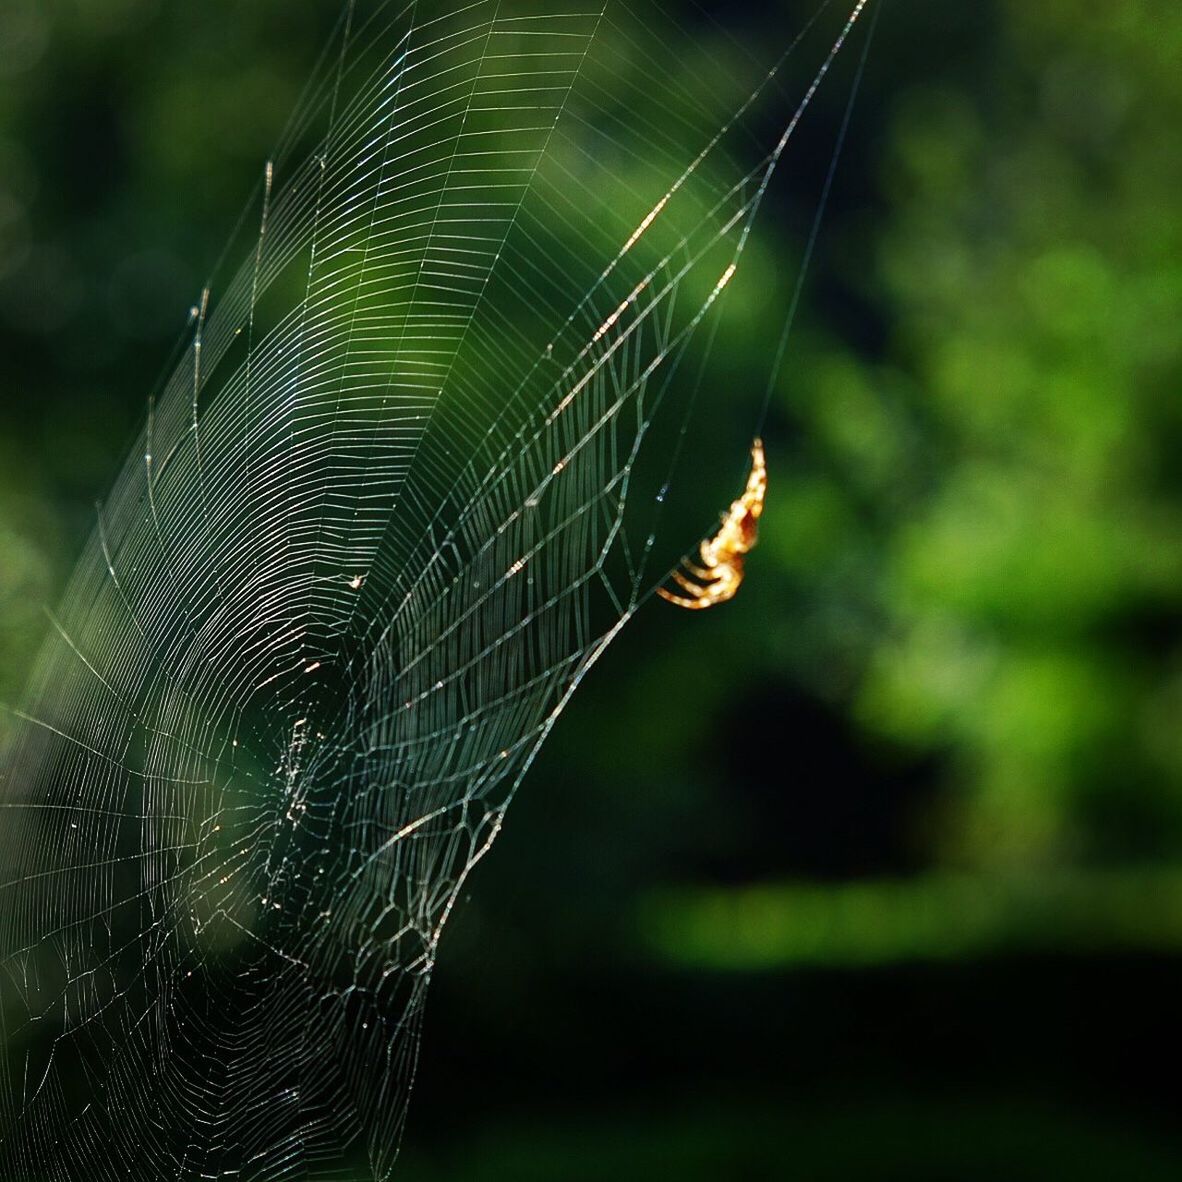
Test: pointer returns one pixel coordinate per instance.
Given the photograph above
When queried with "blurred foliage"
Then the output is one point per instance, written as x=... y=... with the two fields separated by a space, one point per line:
x=1004 y=466
x=852 y=1142
x=936 y=916
x=958 y=654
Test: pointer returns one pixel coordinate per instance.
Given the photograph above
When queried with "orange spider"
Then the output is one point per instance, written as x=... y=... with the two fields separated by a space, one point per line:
x=723 y=555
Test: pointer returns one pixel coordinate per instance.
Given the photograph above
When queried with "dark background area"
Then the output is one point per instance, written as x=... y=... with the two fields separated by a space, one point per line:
x=875 y=872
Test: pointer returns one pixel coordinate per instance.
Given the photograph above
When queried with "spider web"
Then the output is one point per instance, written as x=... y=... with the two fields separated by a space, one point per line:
x=382 y=519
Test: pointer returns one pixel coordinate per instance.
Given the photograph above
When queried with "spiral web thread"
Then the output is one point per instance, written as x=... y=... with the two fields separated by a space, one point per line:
x=375 y=532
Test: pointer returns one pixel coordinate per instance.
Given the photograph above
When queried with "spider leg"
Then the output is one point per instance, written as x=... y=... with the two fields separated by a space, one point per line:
x=681 y=601
x=699 y=572
x=725 y=590
x=687 y=585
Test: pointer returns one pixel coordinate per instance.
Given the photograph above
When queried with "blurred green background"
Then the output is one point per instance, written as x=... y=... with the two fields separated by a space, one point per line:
x=942 y=936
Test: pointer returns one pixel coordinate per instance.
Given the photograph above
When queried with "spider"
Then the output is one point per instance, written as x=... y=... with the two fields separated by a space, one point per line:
x=723 y=555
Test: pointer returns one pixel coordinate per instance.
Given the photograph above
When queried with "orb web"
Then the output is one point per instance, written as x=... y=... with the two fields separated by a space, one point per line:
x=381 y=520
